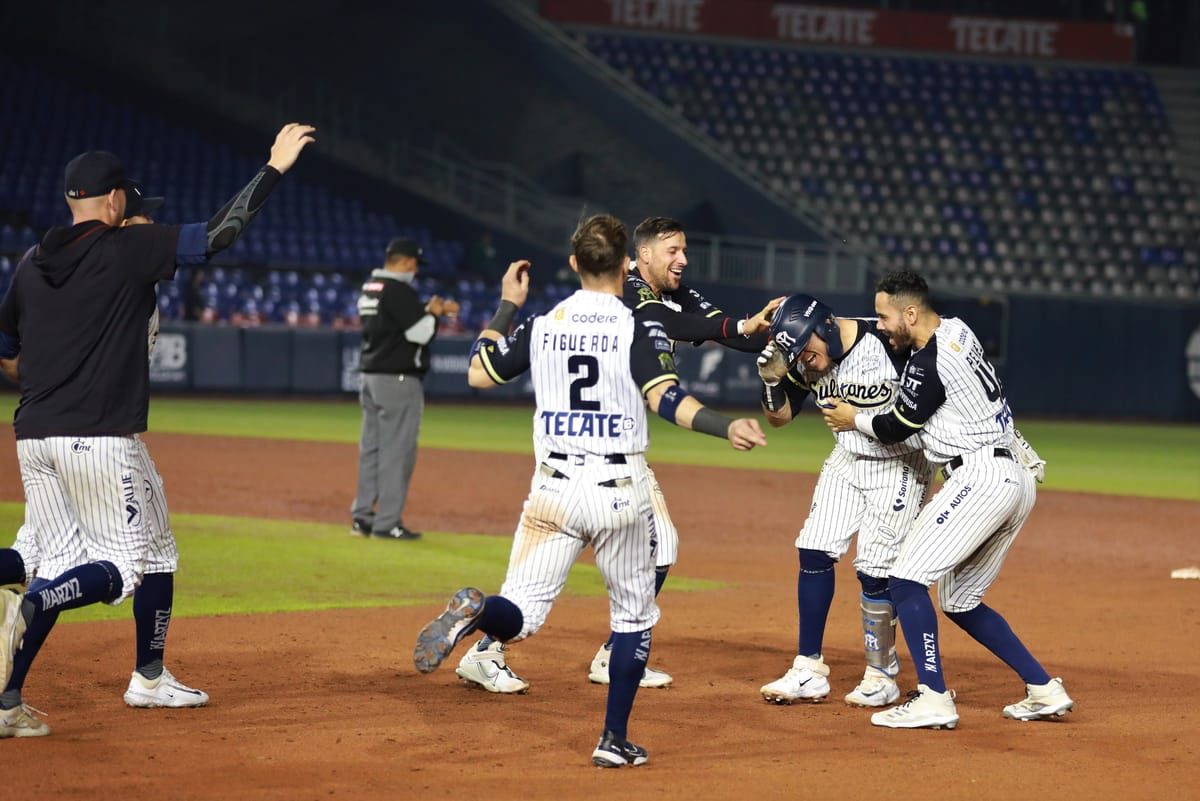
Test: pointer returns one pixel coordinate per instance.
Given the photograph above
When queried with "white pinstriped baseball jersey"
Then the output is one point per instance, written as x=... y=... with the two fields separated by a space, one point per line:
x=580 y=355
x=865 y=487
x=951 y=393
x=866 y=378
x=592 y=364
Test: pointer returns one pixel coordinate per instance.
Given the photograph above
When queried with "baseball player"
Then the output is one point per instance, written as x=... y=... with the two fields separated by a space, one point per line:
x=653 y=290
x=952 y=400
x=151 y=684
x=864 y=486
x=595 y=369
x=78 y=305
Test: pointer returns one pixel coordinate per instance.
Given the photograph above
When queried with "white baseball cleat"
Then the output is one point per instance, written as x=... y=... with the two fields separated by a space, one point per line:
x=924 y=709
x=876 y=689
x=20 y=722
x=806 y=680
x=1042 y=702
x=488 y=669
x=165 y=691
x=598 y=672
x=12 y=629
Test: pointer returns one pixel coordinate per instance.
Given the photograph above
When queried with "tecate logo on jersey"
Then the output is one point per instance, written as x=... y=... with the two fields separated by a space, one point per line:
x=585 y=424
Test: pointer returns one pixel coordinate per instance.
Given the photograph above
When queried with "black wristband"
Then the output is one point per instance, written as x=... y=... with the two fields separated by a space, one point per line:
x=707 y=421
x=773 y=398
x=503 y=319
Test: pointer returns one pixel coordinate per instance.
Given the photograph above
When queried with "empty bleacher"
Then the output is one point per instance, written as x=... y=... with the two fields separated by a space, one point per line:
x=984 y=175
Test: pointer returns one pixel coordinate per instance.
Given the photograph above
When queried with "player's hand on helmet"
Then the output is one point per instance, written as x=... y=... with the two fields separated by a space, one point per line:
x=772 y=366
x=290 y=140
x=762 y=320
x=514 y=286
x=745 y=433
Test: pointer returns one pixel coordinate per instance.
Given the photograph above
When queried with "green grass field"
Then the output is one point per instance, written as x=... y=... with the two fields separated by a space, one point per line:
x=238 y=565
x=1155 y=461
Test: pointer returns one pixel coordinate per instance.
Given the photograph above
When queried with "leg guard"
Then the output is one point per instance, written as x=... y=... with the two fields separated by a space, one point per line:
x=879 y=625
x=879 y=635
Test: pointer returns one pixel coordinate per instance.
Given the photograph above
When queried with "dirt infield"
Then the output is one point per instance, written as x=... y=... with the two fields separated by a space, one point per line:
x=327 y=705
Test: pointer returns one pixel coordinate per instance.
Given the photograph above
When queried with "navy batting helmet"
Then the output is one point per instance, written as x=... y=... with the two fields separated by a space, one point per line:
x=797 y=319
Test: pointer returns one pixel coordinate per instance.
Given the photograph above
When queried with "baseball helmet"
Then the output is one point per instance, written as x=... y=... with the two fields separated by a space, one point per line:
x=797 y=319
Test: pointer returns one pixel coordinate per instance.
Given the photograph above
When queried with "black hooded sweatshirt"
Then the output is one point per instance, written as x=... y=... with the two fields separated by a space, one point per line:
x=78 y=303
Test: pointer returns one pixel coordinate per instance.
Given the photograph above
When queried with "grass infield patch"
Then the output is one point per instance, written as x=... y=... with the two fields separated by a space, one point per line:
x=237 y=565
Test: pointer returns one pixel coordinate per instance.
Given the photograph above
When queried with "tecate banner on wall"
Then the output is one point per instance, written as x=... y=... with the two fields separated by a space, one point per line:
x=857 y=28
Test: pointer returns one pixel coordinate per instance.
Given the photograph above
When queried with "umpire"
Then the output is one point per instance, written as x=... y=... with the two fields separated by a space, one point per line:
x=396 y=331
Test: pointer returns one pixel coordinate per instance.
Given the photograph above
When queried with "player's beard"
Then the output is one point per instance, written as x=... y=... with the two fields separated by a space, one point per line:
x=902 y=337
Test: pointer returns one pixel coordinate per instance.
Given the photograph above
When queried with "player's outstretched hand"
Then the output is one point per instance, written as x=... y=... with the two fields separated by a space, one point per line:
x=839 y=415
x=450 y=308
x=762 y=320
x=745 y=434
x=290 y=140
x=514 y=286
x=772 y=365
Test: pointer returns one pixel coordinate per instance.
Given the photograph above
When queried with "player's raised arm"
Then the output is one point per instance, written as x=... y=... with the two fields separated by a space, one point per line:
x=199 y=242
x=493 y=364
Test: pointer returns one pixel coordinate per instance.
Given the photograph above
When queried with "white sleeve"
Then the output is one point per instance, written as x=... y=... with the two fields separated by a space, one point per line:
x=422 y=330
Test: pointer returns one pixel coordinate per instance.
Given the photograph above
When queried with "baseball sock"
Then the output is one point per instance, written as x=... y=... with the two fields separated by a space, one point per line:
x=814 y=595
x=660 y=578
x=918 y=619
x=991 y=630
x=36 y=631
x=152 y=602
x=80 y=586
x=500 y=619
x=630 y=652
x=12 y=567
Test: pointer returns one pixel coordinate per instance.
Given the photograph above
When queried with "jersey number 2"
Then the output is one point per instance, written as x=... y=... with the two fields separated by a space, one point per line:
x=588 y=370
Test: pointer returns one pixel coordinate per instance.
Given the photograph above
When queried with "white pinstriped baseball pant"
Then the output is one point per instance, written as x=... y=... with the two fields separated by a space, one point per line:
x=578 y=501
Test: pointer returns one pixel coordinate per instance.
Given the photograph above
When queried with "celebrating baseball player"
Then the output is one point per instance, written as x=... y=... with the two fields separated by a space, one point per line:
x=595 y=370
x=864 y=486
x=653 y=291
x=952 y=400
x=151 y=684
x=77 y=309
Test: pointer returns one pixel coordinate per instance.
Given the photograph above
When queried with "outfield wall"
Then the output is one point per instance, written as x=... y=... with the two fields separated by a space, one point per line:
x=1080 y=360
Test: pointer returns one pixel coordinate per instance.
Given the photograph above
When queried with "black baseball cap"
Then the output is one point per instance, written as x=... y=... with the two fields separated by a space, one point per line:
x=94 y=173
x=136 y=202
x=405 y=247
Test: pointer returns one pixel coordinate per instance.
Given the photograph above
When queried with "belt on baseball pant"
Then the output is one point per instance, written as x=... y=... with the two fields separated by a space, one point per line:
x=582 y=458
x=957 y=461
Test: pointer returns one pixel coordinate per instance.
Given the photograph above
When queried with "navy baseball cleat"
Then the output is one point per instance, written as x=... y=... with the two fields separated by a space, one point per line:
x=616 y=752
x=436 y=640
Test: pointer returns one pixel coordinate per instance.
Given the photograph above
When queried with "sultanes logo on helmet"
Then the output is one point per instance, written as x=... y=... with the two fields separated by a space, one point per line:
x=797 y=319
